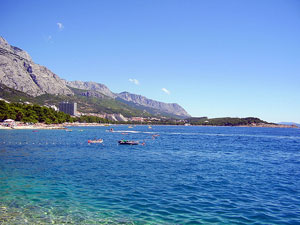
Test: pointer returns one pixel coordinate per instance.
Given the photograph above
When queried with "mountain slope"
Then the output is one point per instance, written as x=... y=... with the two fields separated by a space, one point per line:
x=86 y=104
x=135 y=101
x=172 y=109
x=93 y=86
x=18 y=71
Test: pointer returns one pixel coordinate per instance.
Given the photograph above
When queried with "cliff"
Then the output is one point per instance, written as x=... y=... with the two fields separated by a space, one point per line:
x=18 y=71
x=92 y=86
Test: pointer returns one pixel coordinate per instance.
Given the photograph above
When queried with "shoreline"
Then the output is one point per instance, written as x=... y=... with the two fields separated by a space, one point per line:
x=64 y=126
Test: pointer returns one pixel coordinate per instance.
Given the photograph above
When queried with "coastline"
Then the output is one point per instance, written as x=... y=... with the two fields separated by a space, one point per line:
x=64 y=126
x=38 y=126
x=271 y=126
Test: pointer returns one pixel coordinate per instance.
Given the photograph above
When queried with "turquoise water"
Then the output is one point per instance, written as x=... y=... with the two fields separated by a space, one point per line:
x=187 y=175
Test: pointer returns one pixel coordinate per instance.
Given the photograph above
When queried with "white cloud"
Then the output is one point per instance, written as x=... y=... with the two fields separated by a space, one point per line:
x=135 y=81
x=60 y=26
x=166 y=91
x=48 y=39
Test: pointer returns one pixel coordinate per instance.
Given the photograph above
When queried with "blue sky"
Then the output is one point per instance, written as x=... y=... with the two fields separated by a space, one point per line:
x=216 y=58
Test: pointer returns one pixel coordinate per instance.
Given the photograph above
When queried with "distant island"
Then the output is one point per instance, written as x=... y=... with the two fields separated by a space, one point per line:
x=290 y=124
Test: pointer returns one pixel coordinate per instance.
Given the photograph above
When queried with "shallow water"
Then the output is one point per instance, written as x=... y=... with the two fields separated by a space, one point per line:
x=186 y=175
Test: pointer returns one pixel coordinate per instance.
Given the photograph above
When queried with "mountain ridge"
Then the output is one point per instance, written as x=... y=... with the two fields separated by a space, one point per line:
x=91 y=85
x=168 y=108
x=19 y=72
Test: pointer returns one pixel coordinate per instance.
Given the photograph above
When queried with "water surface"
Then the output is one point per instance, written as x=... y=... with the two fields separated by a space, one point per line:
x=186 y=175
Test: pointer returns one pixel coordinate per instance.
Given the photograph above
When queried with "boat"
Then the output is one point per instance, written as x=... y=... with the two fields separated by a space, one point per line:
x=149 y=127
x=130 y=126
x=125 y=142
x=95 y=141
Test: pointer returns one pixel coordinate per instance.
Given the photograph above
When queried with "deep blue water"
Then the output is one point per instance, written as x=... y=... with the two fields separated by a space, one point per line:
x=187 y=175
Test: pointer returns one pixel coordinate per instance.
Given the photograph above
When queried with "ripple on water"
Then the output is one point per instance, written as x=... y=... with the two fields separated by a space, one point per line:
x=187 y=175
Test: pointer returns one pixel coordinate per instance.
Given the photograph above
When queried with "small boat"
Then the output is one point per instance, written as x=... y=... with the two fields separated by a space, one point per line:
x=149 y=127
x=130 y=126
x=125 y=142
x=95 y=141
x=68 y=130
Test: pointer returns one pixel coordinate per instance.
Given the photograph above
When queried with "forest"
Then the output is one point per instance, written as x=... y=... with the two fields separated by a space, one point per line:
x=29 y=113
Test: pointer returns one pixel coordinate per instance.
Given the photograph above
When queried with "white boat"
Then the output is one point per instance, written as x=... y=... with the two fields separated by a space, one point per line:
x=95 y=141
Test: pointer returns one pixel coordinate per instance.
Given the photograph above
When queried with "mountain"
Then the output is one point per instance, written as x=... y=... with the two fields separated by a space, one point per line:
x=86 y=104
x=136 y=101
x=93 y=86
x=169 y=109
x=19 y=72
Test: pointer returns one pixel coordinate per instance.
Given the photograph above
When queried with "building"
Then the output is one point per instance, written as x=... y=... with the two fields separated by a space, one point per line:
x=68 y=107
x=137 y=119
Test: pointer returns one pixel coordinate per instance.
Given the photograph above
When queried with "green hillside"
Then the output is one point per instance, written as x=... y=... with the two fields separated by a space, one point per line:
x=85 y=104
x=225 y=121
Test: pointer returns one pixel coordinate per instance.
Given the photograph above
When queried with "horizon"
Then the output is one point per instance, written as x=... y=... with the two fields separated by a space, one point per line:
x=213 y=58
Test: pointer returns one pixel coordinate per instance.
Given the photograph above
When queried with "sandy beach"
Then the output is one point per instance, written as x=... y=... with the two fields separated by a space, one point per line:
x=38 y=126
x=41 y=126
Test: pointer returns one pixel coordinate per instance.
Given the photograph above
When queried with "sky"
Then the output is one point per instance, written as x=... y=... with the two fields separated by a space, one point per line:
x=216 y=58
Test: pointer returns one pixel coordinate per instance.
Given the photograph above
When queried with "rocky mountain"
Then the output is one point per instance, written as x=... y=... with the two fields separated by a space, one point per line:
x=18 y=71
x=167 y=108
x=138 y=101
x=92 y=86
x=85 y=104
x=155 y=107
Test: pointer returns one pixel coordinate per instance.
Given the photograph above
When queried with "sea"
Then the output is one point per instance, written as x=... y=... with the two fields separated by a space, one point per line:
x=180 y=175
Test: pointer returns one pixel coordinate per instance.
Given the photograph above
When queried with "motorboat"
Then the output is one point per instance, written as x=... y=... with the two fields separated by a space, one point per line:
x=126 y=142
